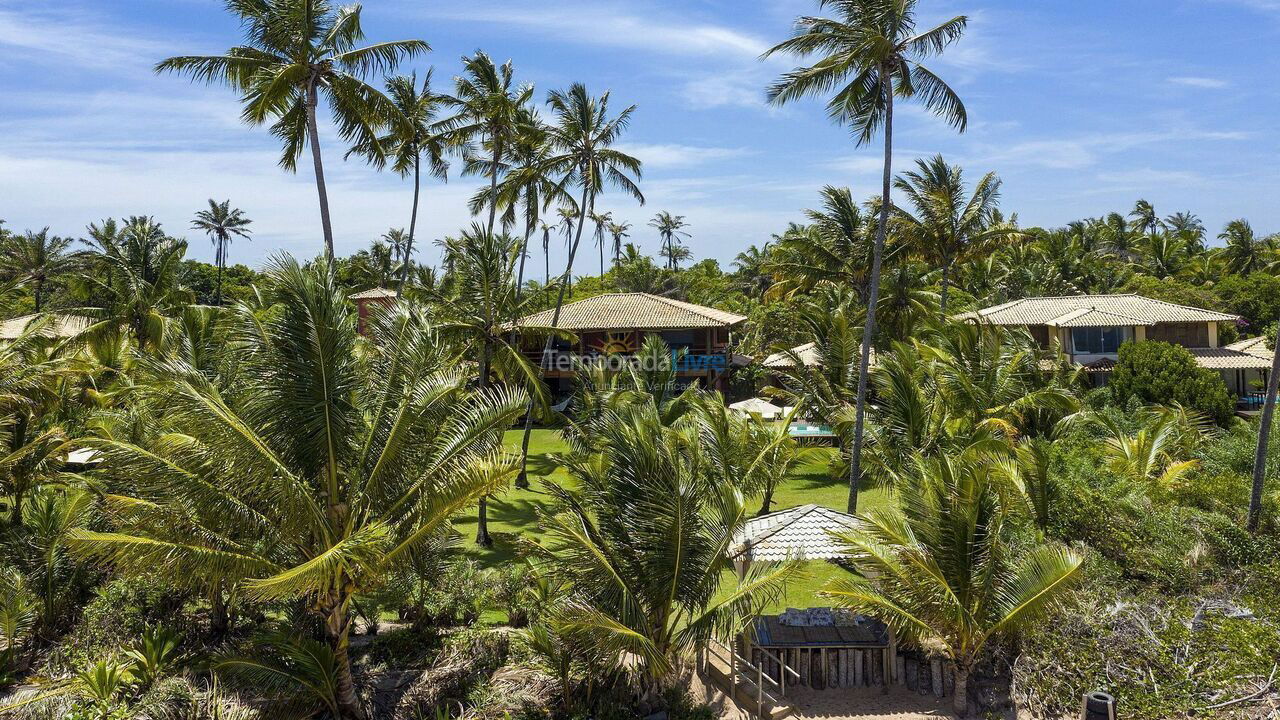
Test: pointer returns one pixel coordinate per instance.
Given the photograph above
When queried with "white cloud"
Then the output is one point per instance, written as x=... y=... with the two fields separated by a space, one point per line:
x=725 y=90
x=614 y=25
x=672 y=155
x=49 y=35
x=1198 y=82
x=1149 y=178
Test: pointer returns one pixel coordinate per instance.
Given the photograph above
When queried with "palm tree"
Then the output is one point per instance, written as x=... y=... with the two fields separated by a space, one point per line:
x=1245 y=252
x=646 y=583
x=221 y=222
x=528 y=186
x=37 y=257
x=940 y=569
x=332 y=466
x=870 y=53
x=398 y=241
x=833 y=250
x=947 y=229
x=1264 y=439
x=489 y=106
x=415 y=133
x=671 y=230
x=140 y=286
x=487 y=302
x=546 y=253
x=583 y=137
x=618 y=231
x=1143 y=218
x=294 y=52
x=602 y=221
x=1187 y=225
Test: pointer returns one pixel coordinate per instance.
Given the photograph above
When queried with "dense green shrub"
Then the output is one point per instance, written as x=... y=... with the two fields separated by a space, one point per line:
x=1254 y=297
x=1162 y=373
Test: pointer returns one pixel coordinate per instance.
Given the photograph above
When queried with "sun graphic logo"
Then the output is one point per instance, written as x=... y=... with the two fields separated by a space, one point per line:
x=615 y=344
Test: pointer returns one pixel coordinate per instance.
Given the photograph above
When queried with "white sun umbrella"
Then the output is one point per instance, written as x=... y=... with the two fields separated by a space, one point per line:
x=758 y=406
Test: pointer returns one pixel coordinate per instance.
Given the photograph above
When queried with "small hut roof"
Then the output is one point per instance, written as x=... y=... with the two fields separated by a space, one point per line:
x=803 y=532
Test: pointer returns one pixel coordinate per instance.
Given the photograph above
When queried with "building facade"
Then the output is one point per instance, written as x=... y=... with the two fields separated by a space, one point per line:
x=612 y=328
x=1089 y=329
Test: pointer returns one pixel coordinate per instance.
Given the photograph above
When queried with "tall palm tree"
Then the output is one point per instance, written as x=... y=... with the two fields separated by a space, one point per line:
x=36 y=257
x=583 y=137
x=946 y=228
x=1144 y=218
x=486 y=303
x=940 y=566
x=415 y=132
x=870 y=53
x=334 y=463
x=221 y=222
x=671 y=231
x=618 y=231
x=492 y=107
x=294 y=52
x=1264 y=439
x=1245 y=252
x=528 y=189
x=546 y=253
x=398 y=241
x=1187 y=225
x=602 y=221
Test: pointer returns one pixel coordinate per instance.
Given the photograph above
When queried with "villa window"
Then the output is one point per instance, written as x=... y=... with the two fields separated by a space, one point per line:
x=678 y=338
x=1098 y=340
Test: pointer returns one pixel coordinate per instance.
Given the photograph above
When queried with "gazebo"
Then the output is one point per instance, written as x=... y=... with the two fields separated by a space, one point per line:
x=817 y=647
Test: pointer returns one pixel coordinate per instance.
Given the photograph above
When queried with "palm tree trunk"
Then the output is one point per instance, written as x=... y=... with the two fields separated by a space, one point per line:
x=220 y=259
x=218 y=619
x=960 y=703
x=546 y=349
x=313 y=134
x=39 y=292
x=337 y=628
x=946 y=277
x=493 y=182
x=1264 y=437
x=413 y=220
x=767 y=501
x=869 y=328
x=482 y=517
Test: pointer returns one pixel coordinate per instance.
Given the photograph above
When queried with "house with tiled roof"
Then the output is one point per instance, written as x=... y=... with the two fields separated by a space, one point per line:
x=1089 y=329
x=368 y=300
x=615 y=325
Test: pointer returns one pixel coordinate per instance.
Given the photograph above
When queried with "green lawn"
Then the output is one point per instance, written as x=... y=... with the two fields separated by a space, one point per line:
x=512 y=513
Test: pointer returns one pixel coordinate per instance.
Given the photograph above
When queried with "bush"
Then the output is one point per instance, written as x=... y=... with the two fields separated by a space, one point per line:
x=1254 y=297
x=1166 y=374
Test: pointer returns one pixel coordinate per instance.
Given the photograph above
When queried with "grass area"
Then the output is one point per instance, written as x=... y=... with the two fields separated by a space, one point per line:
x=513 y=513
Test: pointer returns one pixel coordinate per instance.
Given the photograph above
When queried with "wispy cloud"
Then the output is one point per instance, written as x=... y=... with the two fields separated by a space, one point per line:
x=672 y=155
x=613 y=25
x=1198 y=82
x=47 y=34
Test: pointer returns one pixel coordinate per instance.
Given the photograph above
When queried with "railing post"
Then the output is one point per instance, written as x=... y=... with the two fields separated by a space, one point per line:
x=760 y=690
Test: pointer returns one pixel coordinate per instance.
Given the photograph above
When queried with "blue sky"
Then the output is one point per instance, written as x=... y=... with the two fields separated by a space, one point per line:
x=1081 y=107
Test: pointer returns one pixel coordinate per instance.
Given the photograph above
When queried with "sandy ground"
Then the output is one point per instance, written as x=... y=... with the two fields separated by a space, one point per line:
x=867 y=704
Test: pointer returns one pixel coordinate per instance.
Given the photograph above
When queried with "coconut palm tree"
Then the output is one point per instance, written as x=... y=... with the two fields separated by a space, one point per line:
x=1144 y=219
x=296 y=51
x=492 y=107
x=834 y=249
x=602 y=221
x=646 y=583
x=869 y=55
x=322 y=473
x=1254 y=516
x=528 y=187
x=140 y=284
x=946 y=228
x=38 y=257
x=415 y=133
x=618 y=231
x=1245 y=252
x=671 y=231
x=398 y=241
x=583 y=136
x=486 y=303
x=1187 y=225
x=221 y=222
x=939 y=566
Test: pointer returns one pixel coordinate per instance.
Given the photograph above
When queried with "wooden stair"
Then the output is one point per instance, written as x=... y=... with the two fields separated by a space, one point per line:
x=752 y=690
